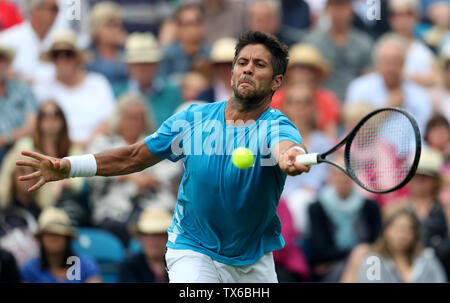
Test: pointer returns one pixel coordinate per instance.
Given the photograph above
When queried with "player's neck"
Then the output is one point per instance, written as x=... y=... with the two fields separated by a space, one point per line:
x=236 y=110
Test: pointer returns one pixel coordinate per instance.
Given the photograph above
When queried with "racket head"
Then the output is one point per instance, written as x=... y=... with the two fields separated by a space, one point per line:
x=382 y=152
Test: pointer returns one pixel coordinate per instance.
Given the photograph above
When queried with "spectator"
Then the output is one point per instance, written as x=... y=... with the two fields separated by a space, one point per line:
x=32 y=37
x=340 y=220
x=440 y=95
x=86 y=98
x=222 y=55
x=17 y=105
x=386 y=86
x=179 y=56
x=108 y=37
x=265 y=16
x=437 y=135
x=290 y=262
x=149 y=265
x=439 y=15
x=306 y=65
x=193 y=86
x=423 y=202
x=9 y=272
x=54 y=235
x=400 y=255
x=346 y=49
x=9 y=15
x=142 y=55
x=299 y=108
x=295 y=16
x=223 y=18
x=420 y=65
x=118 y=201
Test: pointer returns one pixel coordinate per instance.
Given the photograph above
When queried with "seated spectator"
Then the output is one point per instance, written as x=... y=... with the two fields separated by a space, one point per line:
x=223 y=18
x=420 y=65
x=439 y=15
x=143 y=55
x=398 y=253
x=440 y=95
x=108 y=37
x=17 y=105
x=30 y=38
x=86 y=98
x=149 y=265
x=9 y=15
x=387 y=87
x=53 y=265
x=9 y=272
x=178 y=57
x=299 y=108
x=290 y=262
x=51 y=137
x=222 y=56
x=306 y=65
x=117 y=201
x=341 y=219
x=347 y=49
x=423 y=202
x=437 y=135
x=265 y=16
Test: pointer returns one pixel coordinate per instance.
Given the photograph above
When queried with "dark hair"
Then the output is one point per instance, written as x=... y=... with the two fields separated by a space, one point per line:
x=279 y=51
x=68 y=252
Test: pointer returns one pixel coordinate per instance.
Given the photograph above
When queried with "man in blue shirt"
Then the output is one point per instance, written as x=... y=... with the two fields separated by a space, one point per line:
x=225 y=225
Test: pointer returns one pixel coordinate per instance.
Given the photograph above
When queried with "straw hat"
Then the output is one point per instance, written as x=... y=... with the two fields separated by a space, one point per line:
x=152 y=221
x=223 y=50
x=101 y=13
x=306 y=54
x=142 y=48
x=7 y=52
x=64 y=40
x=55 y=221
x=431 y=161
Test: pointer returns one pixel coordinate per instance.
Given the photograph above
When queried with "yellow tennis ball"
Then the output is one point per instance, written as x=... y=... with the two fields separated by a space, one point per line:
x=242 y=158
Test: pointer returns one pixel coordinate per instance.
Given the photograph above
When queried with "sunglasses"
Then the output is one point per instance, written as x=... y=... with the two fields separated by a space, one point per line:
x=63 y=54
x=53 y=114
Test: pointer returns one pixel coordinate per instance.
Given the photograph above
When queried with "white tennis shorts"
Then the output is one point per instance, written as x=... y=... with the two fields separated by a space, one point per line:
x=188 y=266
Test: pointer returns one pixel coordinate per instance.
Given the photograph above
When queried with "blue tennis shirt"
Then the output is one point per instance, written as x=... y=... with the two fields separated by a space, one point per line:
x=222 y=211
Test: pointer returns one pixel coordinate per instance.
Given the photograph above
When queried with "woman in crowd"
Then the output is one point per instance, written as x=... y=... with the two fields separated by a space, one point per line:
x=116 y=202
x=54 y=265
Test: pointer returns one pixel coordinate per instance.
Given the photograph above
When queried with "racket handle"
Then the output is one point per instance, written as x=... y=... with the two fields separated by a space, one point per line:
x=307 y=159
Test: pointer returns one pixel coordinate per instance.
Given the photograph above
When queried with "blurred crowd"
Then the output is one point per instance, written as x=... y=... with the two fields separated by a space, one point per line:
x=110 y=72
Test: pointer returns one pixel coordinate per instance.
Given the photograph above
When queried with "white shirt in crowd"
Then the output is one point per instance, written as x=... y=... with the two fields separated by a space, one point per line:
x=419 y=59
x=27 y=45
x=85 y=106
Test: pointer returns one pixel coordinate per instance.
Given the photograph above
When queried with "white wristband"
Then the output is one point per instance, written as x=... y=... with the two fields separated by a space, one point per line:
x=299 y=148
x=82 y=166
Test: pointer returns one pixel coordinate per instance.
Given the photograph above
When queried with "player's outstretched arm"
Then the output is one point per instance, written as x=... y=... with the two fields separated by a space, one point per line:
x=285 y=153
x=119 y=161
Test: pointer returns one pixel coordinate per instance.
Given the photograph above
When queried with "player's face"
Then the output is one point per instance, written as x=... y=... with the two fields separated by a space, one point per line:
x=252 y=76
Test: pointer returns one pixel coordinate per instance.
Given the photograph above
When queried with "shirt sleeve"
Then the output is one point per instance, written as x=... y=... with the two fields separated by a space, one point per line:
x=31 y=105
x=283 y=130
x=89 y=269
x=167 y=141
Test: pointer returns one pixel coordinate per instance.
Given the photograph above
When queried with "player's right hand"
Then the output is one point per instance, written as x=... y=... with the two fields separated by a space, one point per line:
x=47 y=169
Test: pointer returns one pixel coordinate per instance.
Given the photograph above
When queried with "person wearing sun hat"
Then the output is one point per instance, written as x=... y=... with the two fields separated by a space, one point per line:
x=307 y=65
x=86 y=98
x=440 y=95
x=143 y=55
x=108 y=36
x=18 y=106
x=149 y=265
x=54 y=233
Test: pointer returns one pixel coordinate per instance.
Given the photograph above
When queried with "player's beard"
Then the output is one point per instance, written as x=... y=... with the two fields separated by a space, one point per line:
x=251 y=99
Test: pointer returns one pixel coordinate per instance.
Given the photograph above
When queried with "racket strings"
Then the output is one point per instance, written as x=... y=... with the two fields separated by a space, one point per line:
x=381 y=153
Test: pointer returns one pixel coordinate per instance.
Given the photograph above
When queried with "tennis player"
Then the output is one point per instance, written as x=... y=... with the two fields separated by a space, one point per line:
x=225 y=226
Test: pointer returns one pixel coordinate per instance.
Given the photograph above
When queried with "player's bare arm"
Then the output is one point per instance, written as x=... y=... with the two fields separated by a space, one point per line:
x=285 y=153
x=119 y=161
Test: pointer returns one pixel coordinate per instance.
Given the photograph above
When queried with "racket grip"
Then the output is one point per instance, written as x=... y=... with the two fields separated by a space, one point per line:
x=307 y=159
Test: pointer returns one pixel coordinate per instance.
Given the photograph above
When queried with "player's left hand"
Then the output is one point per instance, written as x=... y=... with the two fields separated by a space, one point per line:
x=288 y=164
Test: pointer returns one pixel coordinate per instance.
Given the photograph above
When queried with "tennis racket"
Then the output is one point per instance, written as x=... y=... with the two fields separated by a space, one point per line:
x=381 y=152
